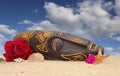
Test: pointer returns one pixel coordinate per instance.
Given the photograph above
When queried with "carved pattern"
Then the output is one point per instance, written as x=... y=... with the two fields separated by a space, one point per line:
x=74 y=57
x=42 y=36
x=77 y=40
x=42 y=47
x=47 y=34
x=25 y=35
x=59 y=33
x=54 y=44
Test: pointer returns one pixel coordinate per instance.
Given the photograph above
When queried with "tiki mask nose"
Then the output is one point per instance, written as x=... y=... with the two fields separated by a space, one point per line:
x=57 y=44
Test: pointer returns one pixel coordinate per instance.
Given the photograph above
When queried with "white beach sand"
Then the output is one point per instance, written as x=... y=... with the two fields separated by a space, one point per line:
x=111 y=67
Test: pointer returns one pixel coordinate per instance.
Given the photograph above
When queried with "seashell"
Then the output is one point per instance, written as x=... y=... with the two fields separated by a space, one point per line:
x=18 y=60
x=36 y=57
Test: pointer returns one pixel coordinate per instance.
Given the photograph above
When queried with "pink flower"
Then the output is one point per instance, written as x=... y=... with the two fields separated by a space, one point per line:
x=90 y=59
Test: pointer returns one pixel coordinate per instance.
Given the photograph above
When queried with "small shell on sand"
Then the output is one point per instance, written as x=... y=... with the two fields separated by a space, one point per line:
x=18 y=60
x=36 y=57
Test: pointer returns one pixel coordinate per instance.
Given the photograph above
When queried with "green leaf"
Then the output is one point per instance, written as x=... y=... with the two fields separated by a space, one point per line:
x=1 y=59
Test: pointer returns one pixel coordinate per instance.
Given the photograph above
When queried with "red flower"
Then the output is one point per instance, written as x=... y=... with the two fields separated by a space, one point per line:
x=18 y=48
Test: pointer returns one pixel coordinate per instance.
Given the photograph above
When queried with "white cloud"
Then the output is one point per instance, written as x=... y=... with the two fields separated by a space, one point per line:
x=91 y=20
x=1 y=48
x=43 y=25
x=26 y=22
x=110 y=49
x=116 y=38
x=116 y=51
x=2 y=42
x=36 y=11
x=60 y=14
x=108 y=5
x=4 y=29
x=1 y=36
x=117 y=7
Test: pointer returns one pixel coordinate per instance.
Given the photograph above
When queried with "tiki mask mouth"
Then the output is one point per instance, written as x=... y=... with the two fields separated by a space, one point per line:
x=94 y=47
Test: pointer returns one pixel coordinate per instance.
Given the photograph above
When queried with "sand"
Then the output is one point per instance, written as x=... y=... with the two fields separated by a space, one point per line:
x=111 y=67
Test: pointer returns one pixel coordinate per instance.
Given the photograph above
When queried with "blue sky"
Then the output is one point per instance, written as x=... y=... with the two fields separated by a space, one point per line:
x=96 y=20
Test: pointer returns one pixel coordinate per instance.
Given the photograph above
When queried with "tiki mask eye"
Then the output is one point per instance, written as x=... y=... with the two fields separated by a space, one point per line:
x=57 y=44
